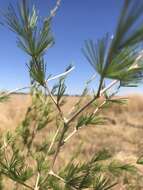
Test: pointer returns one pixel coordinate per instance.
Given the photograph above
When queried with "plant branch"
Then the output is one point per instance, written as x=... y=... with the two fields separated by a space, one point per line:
x=100 y=86
x=60 y=178
x=57 y=176
x=75 y=130
x=26 y=185
x=64 y=130
x=92 y=100
x=56 y=104
x=70 y=135
x=60 y=75
x=55 y=9
x=50 y=94
x=14 y=91
x=53 y=140
x=53 y=174
x=99 y=107
x=37 y=182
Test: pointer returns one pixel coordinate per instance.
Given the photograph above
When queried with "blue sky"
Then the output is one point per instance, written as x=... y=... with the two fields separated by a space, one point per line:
x=76 y=21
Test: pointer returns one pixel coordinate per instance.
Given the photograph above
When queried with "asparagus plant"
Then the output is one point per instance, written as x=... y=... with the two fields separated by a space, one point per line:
x=32 y=164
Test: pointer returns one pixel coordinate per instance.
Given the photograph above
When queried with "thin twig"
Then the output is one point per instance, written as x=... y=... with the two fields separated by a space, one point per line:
x=64 y=128
x=18 y=89
x=26 y=185
x=50 y=94
x=70 y=135
x=60 y=142
x=57 y=176
x=109 y=86
x=56 y=104
x=52 y=174
x=37 y=182
x=53 y=140
x=15 y=90
x=75 y=130
x=61 y=75
x=60 y=178
x=81 y=99
x=55 y=9
x=5 y=147
x=99 y=107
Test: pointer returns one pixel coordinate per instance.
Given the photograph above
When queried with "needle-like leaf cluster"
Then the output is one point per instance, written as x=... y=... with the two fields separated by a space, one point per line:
x=120 y=56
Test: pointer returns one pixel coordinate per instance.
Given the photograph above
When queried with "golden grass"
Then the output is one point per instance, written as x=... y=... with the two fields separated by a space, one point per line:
x=123 y=133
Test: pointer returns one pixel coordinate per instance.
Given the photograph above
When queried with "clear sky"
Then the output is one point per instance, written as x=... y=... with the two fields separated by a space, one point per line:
x=75 y=22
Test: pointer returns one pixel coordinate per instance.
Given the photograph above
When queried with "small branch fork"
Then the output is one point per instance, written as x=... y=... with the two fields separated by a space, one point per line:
x=57 y=105
x=92 y=100
x=60 y=178
x=66 y=124
x=76 y=130
x=57 y=176
x=55 y=102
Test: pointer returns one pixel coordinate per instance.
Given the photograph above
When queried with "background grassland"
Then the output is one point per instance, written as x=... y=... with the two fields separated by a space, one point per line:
x=122 y=133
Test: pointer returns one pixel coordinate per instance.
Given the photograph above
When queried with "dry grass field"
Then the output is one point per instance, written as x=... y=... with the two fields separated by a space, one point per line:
x=122 y=134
